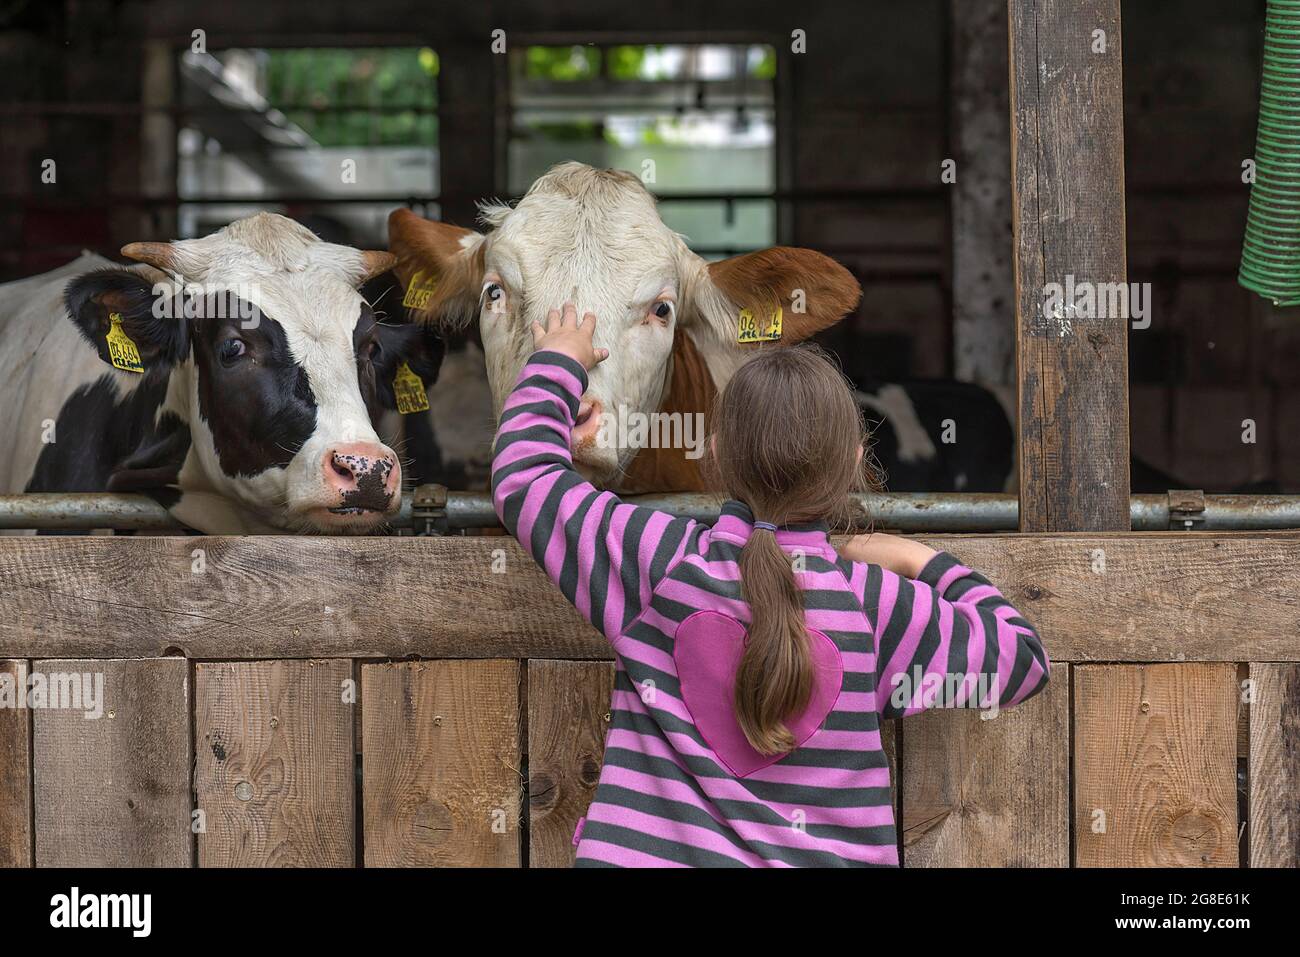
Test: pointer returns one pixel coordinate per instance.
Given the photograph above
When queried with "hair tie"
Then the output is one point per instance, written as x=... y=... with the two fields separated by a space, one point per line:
x=767 y=525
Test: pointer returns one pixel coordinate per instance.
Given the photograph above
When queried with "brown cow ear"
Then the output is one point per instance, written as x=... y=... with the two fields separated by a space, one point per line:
x=778 y=295
x=440 y=268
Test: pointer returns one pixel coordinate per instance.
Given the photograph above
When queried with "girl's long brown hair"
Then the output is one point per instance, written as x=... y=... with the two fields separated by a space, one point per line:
x=787 y=439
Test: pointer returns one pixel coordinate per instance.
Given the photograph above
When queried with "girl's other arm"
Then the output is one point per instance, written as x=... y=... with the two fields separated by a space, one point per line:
x=606 y=556
x=944 y=634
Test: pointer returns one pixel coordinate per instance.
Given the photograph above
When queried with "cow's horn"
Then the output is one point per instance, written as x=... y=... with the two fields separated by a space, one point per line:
x=374 y=262
x=160 y=255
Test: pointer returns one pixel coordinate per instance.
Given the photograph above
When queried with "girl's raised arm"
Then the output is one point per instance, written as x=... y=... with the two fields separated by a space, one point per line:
x=605 y=555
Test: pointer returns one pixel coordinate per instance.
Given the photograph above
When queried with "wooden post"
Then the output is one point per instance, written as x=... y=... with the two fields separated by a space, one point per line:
x=1067 y=114
x=1067 y=149
x=158 y=137
x=466 y=128
x=983 y=293
x=1067 y=159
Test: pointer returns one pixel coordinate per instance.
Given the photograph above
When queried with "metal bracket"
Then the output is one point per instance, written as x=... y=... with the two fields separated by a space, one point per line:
x=1186 y=508
x=429 y=510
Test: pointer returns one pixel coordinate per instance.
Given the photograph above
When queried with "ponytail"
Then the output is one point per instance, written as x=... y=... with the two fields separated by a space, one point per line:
x=775 y=678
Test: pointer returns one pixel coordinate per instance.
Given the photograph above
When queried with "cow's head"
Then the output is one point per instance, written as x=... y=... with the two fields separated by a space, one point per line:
x=594 y=237
x=272 y=366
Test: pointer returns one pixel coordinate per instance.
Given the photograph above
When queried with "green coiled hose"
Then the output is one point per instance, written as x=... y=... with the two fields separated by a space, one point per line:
x=1270 y=255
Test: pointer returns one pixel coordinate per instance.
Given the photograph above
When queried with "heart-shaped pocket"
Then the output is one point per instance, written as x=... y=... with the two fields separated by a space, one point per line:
x=707 y=651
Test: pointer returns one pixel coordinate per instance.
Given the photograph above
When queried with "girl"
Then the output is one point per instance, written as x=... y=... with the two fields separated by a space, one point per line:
x=754 y=663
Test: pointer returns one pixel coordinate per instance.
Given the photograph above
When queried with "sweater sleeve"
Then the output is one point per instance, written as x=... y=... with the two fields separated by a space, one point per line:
x=949 y=639
x=605 y=555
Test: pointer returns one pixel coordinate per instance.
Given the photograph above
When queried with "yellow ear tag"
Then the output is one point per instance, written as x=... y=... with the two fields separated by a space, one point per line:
x=747 y=329
x=420 y=290
x=121 y=350
x=409 y=390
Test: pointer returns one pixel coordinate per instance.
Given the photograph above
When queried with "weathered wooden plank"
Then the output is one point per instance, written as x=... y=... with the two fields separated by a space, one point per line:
x=275 y=765
x=568 y=715
x=114 y=791
x=989 y=793
x=1150 y=597
x=15 y=767
x=1067 y=148
x=278 y=597
x=983 y=290
x=1275 y=765
x=442 y=781
x=1155 y=765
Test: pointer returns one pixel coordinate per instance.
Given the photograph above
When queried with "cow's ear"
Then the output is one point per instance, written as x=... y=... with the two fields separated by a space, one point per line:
x=778 y=295
x=440 y=268
x=133 y=325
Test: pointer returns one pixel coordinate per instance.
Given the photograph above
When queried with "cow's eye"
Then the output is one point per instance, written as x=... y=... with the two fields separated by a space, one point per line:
x=494 y=296
x=662 y=310
x=231 y=350
x=373 y=350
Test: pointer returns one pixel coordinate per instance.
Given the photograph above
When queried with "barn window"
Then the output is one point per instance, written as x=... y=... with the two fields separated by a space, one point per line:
x=695 y=121
x=333 y=137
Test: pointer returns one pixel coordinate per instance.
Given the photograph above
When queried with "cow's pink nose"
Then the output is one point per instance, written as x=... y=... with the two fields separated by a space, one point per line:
x=587 y=423
x=365 y=475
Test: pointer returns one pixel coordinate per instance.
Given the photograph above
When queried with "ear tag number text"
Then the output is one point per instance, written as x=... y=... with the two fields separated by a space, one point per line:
x=420 y=290
x=122 y=351
x=748 y=330
x=409 y=391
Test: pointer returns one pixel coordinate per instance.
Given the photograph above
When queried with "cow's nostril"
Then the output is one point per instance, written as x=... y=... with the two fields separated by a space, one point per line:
x=341 y=467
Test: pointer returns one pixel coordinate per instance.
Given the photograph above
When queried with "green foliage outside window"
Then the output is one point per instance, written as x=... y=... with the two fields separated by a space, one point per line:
x=368 y=97
x=562 y=63
x=624 y=62
x=765 y=67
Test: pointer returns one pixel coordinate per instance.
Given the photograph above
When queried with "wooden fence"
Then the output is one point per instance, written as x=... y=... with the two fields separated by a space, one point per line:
x=274 y=701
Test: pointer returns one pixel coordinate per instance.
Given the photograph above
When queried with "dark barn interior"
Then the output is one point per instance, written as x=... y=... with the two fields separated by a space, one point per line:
x=841 y=148
x=1127 y=480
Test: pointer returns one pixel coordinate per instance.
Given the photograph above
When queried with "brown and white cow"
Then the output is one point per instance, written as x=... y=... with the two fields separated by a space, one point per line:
x=676 y=327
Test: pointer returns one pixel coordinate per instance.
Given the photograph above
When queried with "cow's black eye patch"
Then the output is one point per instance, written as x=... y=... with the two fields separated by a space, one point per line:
x=255 y=398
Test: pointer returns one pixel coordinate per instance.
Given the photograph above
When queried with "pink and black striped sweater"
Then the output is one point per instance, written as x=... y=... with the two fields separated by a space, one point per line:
x=680 y=784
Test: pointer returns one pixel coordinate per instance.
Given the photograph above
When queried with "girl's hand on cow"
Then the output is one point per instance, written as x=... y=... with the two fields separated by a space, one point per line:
x=564 y=333
x=902 y=556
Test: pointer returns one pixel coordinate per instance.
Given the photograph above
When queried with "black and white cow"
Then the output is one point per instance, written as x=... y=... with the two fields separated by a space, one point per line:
x=236 y=378
x=451 y=443
x=939 y=435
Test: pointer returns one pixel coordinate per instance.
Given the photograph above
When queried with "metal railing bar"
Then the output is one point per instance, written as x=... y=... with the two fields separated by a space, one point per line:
x=903 y=511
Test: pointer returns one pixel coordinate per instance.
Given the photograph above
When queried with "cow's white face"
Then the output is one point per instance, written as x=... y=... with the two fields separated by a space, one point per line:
x=598 y=242
x=279 y=365
x=594 y=238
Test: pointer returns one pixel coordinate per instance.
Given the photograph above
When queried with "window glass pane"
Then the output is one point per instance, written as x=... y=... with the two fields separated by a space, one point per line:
x=688 y=119
x=292 y=127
